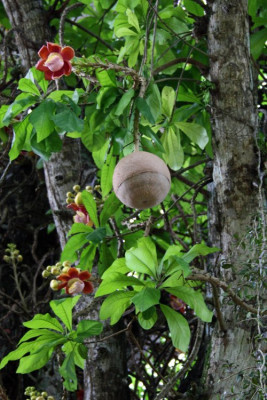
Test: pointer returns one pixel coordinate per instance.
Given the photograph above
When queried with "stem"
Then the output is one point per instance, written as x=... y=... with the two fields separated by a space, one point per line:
x=136 y=130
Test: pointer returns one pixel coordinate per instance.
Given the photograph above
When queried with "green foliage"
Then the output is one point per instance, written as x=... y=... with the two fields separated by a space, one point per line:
x=49 y=334
x=140 y=280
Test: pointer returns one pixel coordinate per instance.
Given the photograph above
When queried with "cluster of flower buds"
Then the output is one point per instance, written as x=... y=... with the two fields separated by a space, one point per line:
x=33 y=394
x=13 y=254
x=72 y=280
x=55 y=270
x=75 y=202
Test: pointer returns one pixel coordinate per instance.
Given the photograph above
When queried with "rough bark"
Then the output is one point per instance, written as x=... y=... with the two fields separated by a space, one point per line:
x=30 y=28
x=234 y=191
x=105 y=373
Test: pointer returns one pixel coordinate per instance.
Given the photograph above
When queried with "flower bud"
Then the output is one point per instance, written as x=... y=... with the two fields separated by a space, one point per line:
x=55 y=271
x=65 y=270
x=46 y=274
x=89 y=188
x=66 y=263
x=16 y=252
x=76 y=188
x=40 y=398
x=70 y=194
x=54 y=284
x=19 y=258
x=44 y=394
x=69 y=200
x=78 y=199
x=97 y=187
x=58 y=264
x=50 y=398
x=6 y=259
x=48 y=268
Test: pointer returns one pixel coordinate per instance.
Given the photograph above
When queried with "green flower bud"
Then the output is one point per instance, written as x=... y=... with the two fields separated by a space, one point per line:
x=58 y=264
x=70 y=194
x=6 y=259
x=50 y=398
x=20 y=258
x=16 y=252
x=46 y=274
x=40 y=398
x=89 y=188
x=69 y=201
x=65 y=270
x=76 y=188
x=44 y=394
x=78 y=199
x=97 y=187
x=54 y=284
x=66 y=263
x=48 y=268
x=55 y=271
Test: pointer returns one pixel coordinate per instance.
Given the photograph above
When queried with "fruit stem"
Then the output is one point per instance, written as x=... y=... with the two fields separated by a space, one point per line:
x=136 y=130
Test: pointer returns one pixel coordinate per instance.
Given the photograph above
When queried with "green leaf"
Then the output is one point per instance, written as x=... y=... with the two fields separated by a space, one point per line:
x=38 y=76
x=3 y=111
x=87 y=328
x=111 y=205
x=145 y=110
x=195 y=132
x=26 y=85
x=24 y=348
x=67 y=371
x=22 y=101
x=75 y=243
x=116 y=281
x=147 y=298
x=90 y=205
x=194 y=8
x=97 y=235
x=124 y=101
x=174 y=155
x=41 y=119
x=118 y=265
x=79 y=228
x=107 y=173
x=68 y=121
x=87 y=257
x=21 y=131
x=168 y=99
x=63 y=309
x=178 y=326
x=148 y=318
x=120 y=32
x=115 y=304
x=44 y=321
x=257 y=42
x=143 y=258
x=154 y=101
x=195 y=300
x=132 y=19
x=34 y=361
x=40 y=332
x=199 y=250
x=106 y=78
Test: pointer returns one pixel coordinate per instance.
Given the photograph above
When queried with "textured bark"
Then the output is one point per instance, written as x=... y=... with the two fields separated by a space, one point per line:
x=61 y=173
x=234 y=191
x=30 y=28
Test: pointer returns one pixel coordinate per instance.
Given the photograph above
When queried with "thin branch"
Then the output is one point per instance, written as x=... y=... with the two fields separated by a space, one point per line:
x=203 y=68
x=196 y=276
x=179 y=375
x=218 y=307
x=62 y=21
x=118 y=236
x=94 y=35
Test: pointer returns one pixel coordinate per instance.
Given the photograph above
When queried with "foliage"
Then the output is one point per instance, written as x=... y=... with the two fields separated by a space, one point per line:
x=49 y=334
x=139 y=80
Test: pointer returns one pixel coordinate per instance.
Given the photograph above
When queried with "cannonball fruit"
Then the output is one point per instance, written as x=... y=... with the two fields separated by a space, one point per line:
x=141 y=180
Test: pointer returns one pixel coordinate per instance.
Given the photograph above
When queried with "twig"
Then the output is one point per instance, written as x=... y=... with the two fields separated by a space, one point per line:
x=62 y=21
x=196 y=276
x=90 y=33
x=218 y=308
x=3 y=395
x=179 y=375
x=136 y=130
x=118 y=236
x=203 y=68
x=5 y=172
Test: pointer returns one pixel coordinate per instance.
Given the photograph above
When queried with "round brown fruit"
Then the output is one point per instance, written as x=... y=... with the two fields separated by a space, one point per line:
x=141 y=180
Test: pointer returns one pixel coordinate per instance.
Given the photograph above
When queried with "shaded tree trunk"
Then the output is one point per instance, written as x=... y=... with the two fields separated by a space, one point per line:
x=105 y=375
x=234 y=191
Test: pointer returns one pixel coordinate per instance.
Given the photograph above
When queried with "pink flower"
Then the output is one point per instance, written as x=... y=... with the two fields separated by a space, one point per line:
x=75 y=282
x=55 y=60
x=81 y=215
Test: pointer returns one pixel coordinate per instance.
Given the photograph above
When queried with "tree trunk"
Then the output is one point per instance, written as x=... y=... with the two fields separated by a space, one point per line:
x=105 y=375
x=30 y=27
x=234 y=191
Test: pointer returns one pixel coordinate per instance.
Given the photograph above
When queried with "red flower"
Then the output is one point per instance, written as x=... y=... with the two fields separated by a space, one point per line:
x=75 y=281
x=55 y=60
x=81 y=215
